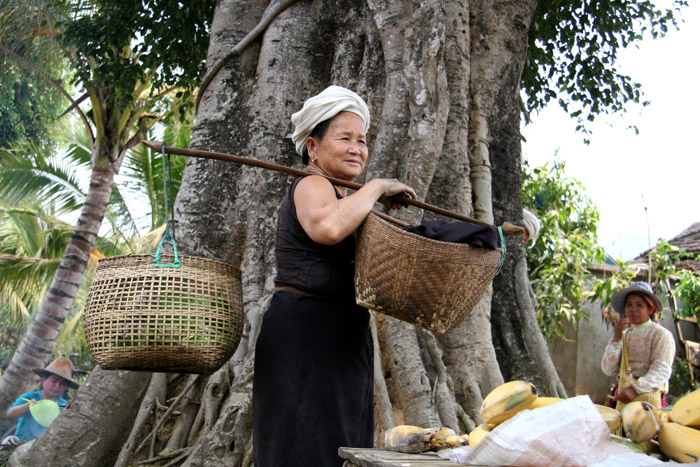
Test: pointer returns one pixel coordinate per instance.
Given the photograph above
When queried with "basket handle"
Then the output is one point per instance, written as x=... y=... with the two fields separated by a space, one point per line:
x=176 y=263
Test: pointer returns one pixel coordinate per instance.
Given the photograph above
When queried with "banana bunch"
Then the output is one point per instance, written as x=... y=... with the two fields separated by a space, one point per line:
x=680 y=443
x=686 y=410
x=640 y=421
x=506 y=400
x=414 y=439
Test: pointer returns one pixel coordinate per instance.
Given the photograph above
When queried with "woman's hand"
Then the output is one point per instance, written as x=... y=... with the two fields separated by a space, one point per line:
x=394 y=187
x=628 y=394
x=620 y=327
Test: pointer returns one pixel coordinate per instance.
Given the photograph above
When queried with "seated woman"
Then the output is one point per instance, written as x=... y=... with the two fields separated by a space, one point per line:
x=55 y=378
x=642 y=355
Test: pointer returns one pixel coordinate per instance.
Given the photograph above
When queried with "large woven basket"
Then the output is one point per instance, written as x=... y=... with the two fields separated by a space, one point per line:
x=185 y=319
x=425 y=282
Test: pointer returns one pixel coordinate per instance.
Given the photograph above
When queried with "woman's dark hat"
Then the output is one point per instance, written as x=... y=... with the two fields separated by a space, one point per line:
x=61 y=367
x=618 y=299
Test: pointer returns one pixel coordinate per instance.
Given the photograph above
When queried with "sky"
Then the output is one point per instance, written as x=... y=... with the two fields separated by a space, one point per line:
x=646 y=186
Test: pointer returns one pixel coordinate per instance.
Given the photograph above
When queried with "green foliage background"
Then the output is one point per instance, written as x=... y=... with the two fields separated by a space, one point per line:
x=573 y=49
x=560 y=259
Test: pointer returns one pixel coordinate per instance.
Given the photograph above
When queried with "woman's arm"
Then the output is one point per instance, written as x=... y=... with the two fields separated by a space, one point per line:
x=327 y=219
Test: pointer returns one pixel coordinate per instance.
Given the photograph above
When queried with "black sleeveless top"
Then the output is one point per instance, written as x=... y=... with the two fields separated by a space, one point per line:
x=326 y=271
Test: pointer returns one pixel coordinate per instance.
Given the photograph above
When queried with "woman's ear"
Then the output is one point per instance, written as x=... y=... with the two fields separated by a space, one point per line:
x=311 y=147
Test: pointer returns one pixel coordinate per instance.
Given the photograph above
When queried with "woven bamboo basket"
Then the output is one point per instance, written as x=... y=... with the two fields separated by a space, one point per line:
x=185 y=319
x=425 y=282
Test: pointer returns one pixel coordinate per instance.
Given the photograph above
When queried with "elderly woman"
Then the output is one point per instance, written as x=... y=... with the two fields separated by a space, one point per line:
x=642 y=355
x=313 y=381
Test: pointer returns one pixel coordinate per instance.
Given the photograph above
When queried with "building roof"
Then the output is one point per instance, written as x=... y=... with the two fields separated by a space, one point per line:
x=687 y=241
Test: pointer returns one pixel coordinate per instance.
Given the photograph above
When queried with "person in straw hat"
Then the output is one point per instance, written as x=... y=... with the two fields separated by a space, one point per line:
x=640 y=352
x=313 y=376
x=55 y=378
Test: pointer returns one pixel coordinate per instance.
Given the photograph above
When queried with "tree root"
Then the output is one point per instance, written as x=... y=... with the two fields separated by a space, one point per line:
x=185 y=453
x=196 y=425
x=214 y=391
x=154 y=431
x=385 y=415
x=156 y=390
x=443 y=392
x=161 y=457
x=181 y=431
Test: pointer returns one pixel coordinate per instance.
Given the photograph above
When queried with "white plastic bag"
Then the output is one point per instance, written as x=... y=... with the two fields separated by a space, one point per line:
x=569 y=433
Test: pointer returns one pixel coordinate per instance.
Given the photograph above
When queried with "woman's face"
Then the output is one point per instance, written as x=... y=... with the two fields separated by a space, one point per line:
x=54 y=386
x=637 y=309
x=342 y=153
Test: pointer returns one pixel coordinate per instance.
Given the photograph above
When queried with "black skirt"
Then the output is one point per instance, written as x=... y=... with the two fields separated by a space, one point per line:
x=313 y=388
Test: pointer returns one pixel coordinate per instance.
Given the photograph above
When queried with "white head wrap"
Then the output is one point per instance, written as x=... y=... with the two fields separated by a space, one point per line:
x=531 y=224
x=327 y=104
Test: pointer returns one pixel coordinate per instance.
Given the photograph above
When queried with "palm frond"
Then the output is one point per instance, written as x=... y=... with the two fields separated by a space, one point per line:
x=120 y=217
x=30 y=172
x=24 y=272
x=21 y=232
x=14 y=307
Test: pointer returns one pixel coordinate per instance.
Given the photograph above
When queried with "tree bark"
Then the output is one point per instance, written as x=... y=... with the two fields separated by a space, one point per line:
x=521 y=350
x=156 y=392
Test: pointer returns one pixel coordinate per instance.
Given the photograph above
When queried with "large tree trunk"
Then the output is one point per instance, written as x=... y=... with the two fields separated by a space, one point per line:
x=521 y=348
x=441 y=80
x=35 y=349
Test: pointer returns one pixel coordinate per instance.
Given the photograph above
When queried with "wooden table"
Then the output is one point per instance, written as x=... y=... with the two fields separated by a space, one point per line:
x=367 y=457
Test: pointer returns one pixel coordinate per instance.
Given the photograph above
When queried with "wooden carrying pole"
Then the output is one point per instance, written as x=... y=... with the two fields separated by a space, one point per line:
x=508 y=228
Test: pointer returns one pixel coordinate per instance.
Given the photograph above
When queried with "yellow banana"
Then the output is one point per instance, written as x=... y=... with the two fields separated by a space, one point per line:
x=686 y=410
x=507 y=400
x=611 y=416
x=640 y=421
x=544 y=401
x=680 y=443
x=664 y=416
x=479 y=433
